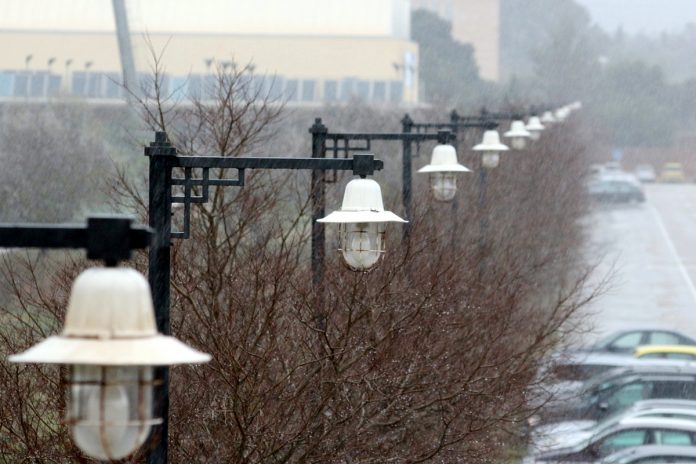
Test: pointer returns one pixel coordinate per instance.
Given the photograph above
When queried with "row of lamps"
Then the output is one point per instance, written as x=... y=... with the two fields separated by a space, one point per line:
x=112 y=351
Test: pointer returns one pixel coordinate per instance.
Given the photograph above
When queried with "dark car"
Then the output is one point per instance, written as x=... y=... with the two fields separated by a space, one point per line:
x=626 y=341
x=615 y=190
x=620 y=388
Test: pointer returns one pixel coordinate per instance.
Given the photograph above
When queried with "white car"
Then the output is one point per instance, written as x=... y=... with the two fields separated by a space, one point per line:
x=645 y=173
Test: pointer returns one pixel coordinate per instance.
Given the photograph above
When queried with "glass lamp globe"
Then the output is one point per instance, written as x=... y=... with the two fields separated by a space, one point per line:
x=443 y=170
x=111 y=343
x=362 y=224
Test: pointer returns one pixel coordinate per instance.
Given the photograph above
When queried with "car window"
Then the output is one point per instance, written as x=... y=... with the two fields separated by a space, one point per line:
x=672 y=437
x=628 y=395
x=681 y=356
x=654 y=356
x=626 y=342
x=620 y=440
x=663 y=338
x=685 y=389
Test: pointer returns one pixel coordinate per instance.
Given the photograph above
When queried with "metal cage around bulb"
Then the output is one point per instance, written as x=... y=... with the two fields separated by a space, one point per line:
x=361 y=244
x=111 y=342
x=110 y=413
x=362 y=223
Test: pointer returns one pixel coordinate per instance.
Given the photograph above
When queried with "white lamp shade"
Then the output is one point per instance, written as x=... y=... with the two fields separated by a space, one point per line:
x=517 y=129
x=491 y=142
x=444 y=159
x=110 y=321
x=562 y=113
x=548 y=118
x=362 y=202
x=534 y=125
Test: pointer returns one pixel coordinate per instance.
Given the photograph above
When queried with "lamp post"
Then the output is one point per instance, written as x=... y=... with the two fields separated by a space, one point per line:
x=109 y=339
x=343 y=144
x=163 y=159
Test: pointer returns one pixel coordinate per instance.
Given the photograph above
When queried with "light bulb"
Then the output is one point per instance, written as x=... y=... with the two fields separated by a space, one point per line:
x=534 y=135
x=518 y=143
x=362 y=244
x=443 y=185
x=106 y=405
x=490 y=159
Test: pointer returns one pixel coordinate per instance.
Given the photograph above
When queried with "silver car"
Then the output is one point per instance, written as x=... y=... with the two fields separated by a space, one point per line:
x=549 y=435
x=626 y=433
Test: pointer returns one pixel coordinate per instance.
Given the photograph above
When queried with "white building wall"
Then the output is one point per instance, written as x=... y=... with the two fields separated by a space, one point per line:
x=366 y=18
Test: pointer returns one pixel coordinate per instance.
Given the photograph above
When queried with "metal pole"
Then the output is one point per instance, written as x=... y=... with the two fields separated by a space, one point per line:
x=318 y=131
x=126 y=49
x=406 y=176
x=159 y=274
x=483 y=219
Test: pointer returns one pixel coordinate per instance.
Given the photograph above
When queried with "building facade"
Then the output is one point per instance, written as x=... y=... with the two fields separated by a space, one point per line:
x=305 y=51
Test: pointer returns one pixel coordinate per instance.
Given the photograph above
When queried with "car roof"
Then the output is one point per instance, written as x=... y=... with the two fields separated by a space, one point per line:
x=663 y=403
x=652 y=450
x=687 y=368
x=657 y=422
x=649 y=349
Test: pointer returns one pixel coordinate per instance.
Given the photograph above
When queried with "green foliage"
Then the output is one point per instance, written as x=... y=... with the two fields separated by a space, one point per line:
x=555 y=54
x=448 y=70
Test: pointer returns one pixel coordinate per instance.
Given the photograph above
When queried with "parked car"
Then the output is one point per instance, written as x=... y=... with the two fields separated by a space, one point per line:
x=615 y=189
x=653 y=454
x=626 y=341
x=672 y=172
x=620 y=388
x=680 y=352
x=628 y=432
x=548 y=434
x=645 y=173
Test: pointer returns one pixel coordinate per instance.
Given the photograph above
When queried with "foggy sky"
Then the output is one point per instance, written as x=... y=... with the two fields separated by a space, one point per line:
x=648 y=16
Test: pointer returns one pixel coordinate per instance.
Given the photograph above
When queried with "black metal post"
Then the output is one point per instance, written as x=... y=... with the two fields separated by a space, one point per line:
x=109 y=238
x=163 y=159
x=317 y=192
x=406 y=176
x=159 y=274
x=483 y=220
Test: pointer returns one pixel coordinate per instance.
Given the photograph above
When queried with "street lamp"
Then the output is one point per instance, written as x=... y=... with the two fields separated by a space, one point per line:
x=548 y=118
x=343 y=144
x=534 y=126
x=490 y=148
x=518 y=134
x=443 y=170
x=163 y=160
x=362 y=220
x=109 y=339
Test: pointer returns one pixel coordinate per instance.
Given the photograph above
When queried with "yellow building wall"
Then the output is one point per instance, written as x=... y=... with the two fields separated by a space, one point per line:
x=319 y=58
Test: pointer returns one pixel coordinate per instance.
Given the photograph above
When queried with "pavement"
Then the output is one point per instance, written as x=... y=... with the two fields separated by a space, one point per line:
x=650 y=252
